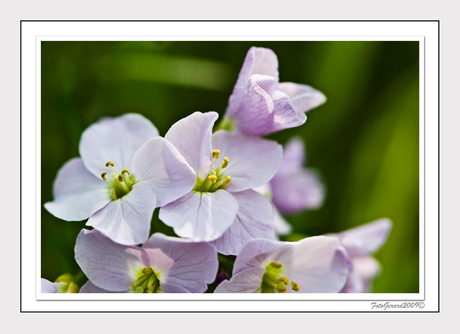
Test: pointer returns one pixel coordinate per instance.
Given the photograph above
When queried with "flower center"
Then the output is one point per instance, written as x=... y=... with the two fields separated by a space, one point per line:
x=272 y=281
x=119 y=184
x=216 y=178
x=147 y=282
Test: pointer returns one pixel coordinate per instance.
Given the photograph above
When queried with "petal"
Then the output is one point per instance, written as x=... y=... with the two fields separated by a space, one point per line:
x=281 y=226
x=116 y=140
x=297 y=191
x=284 y=114
x=48 y=287
x=365 y=239
x=258 y=61
x=303 y=97
x=354 y=283
x=77 y=193
x=249 y=280
x=253 y=161
x=201 y=216
x=172 y=288
x=317 y=264
x=293 y=156
x=255 y=113
x=107 y=264
x=160 y=166
x=367 y=269
x=258 y=252
x=127 y=220
x=192 y=137
x=89 y=287
x=193 y=266
x=253 y=220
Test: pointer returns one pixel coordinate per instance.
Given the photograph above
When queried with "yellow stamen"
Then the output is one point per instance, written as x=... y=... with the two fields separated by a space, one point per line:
x=284 y=279
x=226 y=182
x=146 y=271
x=125 y=171
x=275 y=265
x=295 y=286
x=212 y=178
x=225 y=162
x=120 y=178
x=103 y=174
x=109 y=163
x=281 y=288
x=215 y=154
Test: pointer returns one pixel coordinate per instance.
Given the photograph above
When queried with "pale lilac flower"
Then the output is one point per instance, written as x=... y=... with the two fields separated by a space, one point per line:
x=162 y=264
x=311 y=265
x=222 y=207
x=260 y=105
x=63 y=284
x=125 y=171
x=360 y=243
x=294 y=188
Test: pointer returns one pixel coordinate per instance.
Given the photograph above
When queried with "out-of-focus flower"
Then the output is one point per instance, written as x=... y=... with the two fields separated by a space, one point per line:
x=162 y=264
x=316 y=264
x=294 y=188
x=360 y=243
x=63 y=284
x=260 y=105
x=124 y=172
x=222 y=207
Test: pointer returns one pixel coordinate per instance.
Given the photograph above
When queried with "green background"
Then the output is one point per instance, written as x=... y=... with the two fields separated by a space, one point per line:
x=364 y=140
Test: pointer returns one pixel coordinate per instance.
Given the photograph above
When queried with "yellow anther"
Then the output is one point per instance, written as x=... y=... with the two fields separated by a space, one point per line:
x=120 y=178
x=125 y=171
x=275 y=265
x=103 y=174
x=146 y=271
x=281 y=288
x=109 y=163
x=150 y=289
x=295 y=286
x=215 y=154
x=225 y=162
x=284 y=279
x=212 y=178
x=226 y=182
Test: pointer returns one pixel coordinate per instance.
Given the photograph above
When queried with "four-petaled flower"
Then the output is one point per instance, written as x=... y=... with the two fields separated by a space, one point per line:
x=222 y=207
x=162 y=264
x=125 y=171
x=360 y=243
x=316 y=264
x=260 y=105
x=294 y=188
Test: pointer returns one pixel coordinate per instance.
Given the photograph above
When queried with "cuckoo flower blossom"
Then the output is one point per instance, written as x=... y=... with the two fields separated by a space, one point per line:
x=260 y=105
x=360 y=243
x=162 y=264
x=125 y=171
x=316 y=264
x=293 y=188
x=222 y=207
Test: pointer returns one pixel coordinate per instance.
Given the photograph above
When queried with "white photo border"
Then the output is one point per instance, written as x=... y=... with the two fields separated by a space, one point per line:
x=426 y=32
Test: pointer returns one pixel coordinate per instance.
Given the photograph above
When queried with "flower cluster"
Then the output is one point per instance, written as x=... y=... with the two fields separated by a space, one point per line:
x=221 y=187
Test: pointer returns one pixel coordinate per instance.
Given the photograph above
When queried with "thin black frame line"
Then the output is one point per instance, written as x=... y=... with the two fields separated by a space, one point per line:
x=438 y=21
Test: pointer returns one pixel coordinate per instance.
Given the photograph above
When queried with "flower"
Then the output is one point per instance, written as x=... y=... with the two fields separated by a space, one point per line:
x=124 y=172
x=293 y=188
x=162 y=264
x=315 y=264
x=360 y=243
x=222 y=207
x=63 y=284
x=260 y=105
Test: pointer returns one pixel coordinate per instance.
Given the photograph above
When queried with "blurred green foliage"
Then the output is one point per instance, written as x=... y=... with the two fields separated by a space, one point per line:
x=364 y=140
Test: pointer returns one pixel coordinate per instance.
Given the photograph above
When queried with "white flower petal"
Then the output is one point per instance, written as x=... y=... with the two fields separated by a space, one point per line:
x=77 y=193
x=114 y=139
x=247 y=281
x=201 y=216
